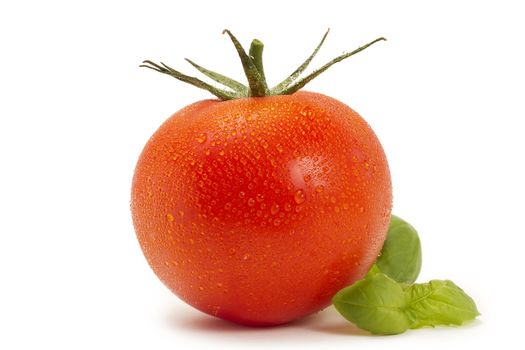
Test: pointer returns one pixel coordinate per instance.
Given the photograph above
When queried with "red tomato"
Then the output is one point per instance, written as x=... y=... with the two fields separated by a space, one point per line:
x=258 y=210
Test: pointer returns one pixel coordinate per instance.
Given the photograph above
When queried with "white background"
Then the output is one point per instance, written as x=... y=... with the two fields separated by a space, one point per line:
x=445 y=95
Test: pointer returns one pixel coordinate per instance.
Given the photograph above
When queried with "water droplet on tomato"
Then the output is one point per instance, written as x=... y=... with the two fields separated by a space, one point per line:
x=201 y=138
x=274 y=209
x=242 y=194
x=170 y=217
x=299 y=197
x=251 y=202
x=259 y=197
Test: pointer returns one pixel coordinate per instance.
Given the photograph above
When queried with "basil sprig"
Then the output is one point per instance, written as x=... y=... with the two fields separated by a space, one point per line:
x=385 y=301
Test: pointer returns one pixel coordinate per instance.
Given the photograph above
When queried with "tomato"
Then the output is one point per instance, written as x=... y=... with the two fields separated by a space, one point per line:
x=258 y=210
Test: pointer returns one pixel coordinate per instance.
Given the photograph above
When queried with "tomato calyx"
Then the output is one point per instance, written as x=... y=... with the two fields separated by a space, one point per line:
x=253 y=69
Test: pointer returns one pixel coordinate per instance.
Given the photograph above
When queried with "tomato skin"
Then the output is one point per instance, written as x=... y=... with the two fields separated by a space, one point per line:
x=259 y=210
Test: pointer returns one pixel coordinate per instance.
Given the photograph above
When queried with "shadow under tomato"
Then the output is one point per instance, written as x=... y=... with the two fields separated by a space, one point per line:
x=197 y=321
x=331 y=322
x=326 y=321
x=345 y=329
x=203 y=322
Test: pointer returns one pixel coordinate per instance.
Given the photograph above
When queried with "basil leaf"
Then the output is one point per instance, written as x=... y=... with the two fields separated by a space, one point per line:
x=438 y=302
x=400 y=257
x=373 y=270
x=375 y=304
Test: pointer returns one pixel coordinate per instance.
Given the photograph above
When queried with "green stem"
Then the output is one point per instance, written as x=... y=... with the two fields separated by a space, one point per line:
x=256 y=51
x=255 y=82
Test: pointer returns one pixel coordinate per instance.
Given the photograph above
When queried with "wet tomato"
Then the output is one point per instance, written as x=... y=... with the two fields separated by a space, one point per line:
x=258 y=210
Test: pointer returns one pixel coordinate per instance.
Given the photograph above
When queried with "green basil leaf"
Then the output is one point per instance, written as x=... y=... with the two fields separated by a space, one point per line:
x=375 y=304
x=438 y=302
x=373 y=270
x=400 y=257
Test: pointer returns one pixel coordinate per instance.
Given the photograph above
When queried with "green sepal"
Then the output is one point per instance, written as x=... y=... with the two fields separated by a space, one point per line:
x=290 y=89
x=165 y=69
x=253 y=69
x=257 y=85
x=239 y=88
x=292 y=77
